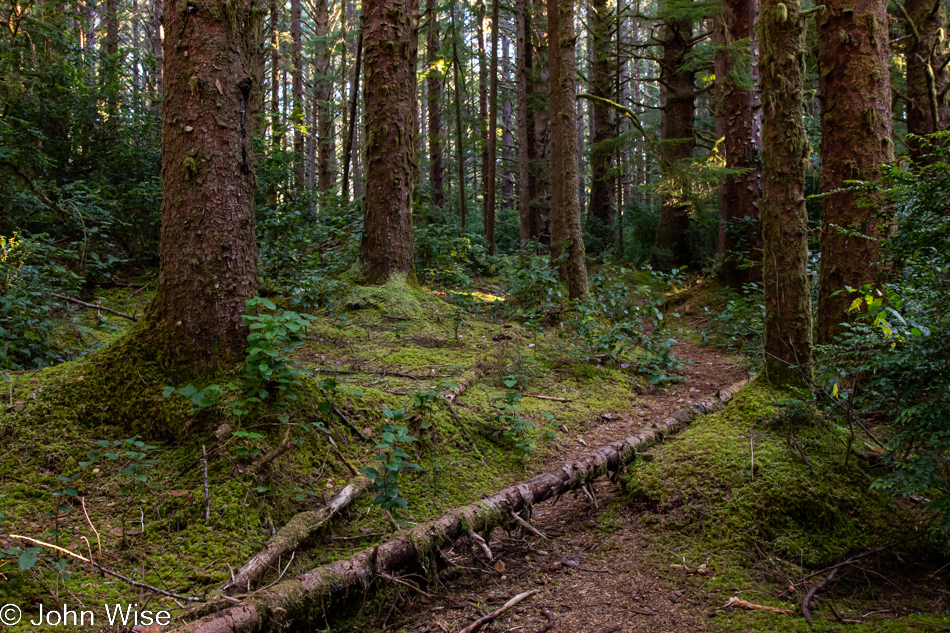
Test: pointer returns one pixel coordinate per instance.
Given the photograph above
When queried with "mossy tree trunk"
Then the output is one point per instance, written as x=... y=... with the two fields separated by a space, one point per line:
x=213 y=79
x=492 y=149
x=565 y=176
x=677 y=123
x=600 y=212
x=323 y=87
x=740 y=126
x=434 y=105
x=788 y=335
x=390 y=44
x=855 y=90
x=927 y=72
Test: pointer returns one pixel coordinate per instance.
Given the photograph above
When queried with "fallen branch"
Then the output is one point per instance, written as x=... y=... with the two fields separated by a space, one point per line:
x=743 y=604
x=540 y=397
x=289 y=537
x=811 y=594
x=301 y=599
x=528 y=526
x=508 y=606
x=282 y=448
x=95 y=306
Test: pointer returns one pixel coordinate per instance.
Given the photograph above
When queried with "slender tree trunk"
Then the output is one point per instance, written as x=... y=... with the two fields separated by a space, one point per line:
x=482 y=105
x=565 y=211
x=539 y=152
x=323 y=84
x=855 y=92
x=213 y=89
x=391 y=45
x=460 y=147
x=677 y=100
x=788 y=323
x=296 y=79
x=348 y=154
x=507 y=138
x=157 y=8
x=927 y=72
x=275 y=127
x=492 y=149
x=600 y=212
x=434 y=105
x=739 y=124
x=525 y=124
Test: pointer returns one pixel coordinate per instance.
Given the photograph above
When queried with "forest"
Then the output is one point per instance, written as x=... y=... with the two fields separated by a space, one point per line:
x=597 y=317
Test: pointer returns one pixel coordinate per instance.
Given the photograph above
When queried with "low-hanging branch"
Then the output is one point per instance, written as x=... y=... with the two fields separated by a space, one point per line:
x=298 y=600
x=95 y=306
x=630 y=114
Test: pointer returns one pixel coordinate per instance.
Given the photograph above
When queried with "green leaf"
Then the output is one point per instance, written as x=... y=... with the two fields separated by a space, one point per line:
x=28 y=558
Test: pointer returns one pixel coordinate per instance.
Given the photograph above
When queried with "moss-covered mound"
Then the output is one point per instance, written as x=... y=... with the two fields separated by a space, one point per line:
x=769 y=473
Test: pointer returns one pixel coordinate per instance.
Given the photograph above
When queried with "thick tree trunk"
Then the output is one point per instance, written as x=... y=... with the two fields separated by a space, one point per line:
x=296 y=80
x=523 y=67
x=434 y=106
x=855 y=91
x=600 y=212
x=323 y=86
x=677 y=100
x=539 y=151
x=157 y=8
x=390 y=45
x=492 y=149
x=788 y=337
x=927 y=73
x=213 y=89
x=301 y=601
x=565 y=211
x=739 y=124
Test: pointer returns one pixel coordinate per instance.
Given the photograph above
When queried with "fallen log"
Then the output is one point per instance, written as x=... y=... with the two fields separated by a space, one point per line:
x=304 y=599
x=289 y=537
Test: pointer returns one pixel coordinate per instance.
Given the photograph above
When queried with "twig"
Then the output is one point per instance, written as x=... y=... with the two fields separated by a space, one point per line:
x=343 y=459
x=528 y=526
x=546 y=627
x=95 y=306
x=743 y=604
x=383 y=373
x=480 y=542
x=572 y=564
x=89 y=521
x=540 y=397
x=448 y=404
x=752 y=452
x=589 y=495
x=282 y=448
x=860 y=556
x=204 y=461
x=811 y=594
x=482 y=621
x=104 y=569
x=399 y=581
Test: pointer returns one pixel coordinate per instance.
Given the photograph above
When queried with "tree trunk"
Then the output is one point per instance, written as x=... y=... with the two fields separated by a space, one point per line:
x=296 y=80
x=390 y=47
x=927 y=76
x=492 y=149
x=157 y=8
x=677 y=100
x=213 y=89
x=600 y=212
x=349 y=156
x=323 y=86
x=539 y=152
x=459 y=145
x=275 y=128
x=482 y=105
x=855 y=91
x=434 y=106
x=788 y=338
x=507 y=138
x=523 y=67
x=739 y=124
x=565 y=179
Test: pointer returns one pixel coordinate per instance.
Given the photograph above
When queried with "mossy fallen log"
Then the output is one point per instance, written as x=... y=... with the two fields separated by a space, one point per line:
x=305 y=598
x=300 y=528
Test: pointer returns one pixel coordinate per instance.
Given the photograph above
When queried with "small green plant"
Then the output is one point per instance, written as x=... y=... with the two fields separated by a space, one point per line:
x=422 y=401
x=393 y=459
x=136 y=468
x=247 y=438
x=514 y=427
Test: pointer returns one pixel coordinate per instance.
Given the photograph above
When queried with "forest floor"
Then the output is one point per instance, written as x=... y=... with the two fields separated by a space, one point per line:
x=626 y=562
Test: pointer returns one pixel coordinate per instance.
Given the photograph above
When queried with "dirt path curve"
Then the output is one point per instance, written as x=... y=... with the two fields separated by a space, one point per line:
x=594 y=571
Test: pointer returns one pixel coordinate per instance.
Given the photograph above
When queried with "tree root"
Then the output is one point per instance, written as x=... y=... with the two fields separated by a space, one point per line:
x=304 y=598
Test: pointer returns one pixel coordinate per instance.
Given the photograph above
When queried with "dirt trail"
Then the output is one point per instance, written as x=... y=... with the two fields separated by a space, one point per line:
x=594 y=572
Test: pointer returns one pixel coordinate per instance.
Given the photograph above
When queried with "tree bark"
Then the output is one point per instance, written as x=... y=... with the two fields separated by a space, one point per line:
x=390 y=43
x=482 y=105
x=213 y=88
x=600 y=211
x=349 y=156
x=523 y=67
x=434 y=106
x=927 y=72
x=539 y=151
x=157 y=8
x=296 y=80
x=855 y=91
x=323 y=86
x=739 y=124
x=507 y=138
x=275 y=128
x=566 y=232
x=492 y=149
x=788 y=334
x=459 y=138
x=677 y=100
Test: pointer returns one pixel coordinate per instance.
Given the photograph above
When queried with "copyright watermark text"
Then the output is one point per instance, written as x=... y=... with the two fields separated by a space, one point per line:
x=66 y=616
